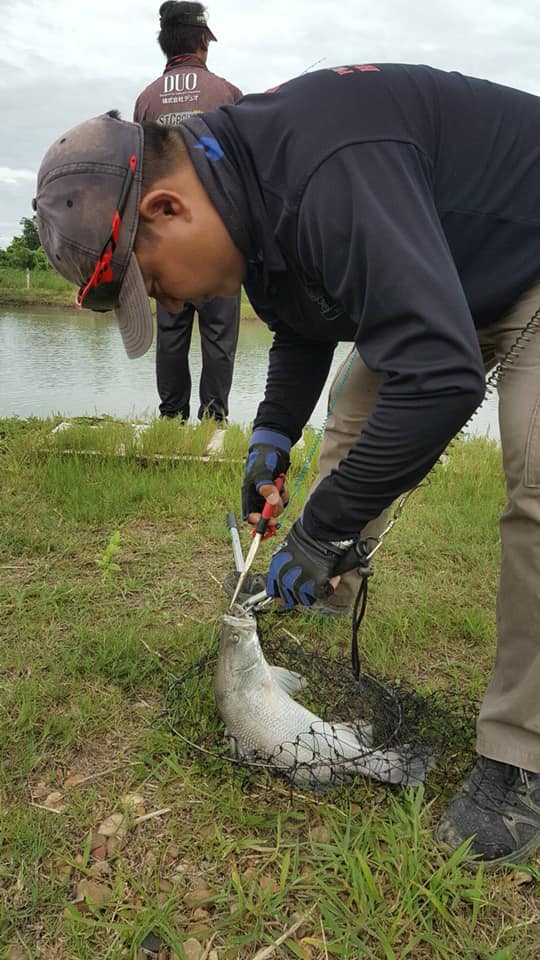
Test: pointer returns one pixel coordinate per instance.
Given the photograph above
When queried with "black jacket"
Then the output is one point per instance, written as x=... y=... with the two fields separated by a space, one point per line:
x=397 y=207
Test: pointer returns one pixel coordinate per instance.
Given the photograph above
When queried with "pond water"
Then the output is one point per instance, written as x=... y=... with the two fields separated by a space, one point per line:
x=58 y=361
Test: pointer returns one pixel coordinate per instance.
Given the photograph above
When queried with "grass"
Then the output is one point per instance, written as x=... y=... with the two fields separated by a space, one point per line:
x=110 y=588
x=48 y=288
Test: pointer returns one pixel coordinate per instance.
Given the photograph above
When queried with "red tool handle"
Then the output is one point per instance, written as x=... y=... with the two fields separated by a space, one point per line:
x=262 y=527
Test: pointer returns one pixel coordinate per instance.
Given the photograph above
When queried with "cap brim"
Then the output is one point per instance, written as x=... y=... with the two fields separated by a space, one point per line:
x=211 y=35
x=133 y=313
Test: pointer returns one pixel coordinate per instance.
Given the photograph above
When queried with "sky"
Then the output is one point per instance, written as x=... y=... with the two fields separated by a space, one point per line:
x=66 y=61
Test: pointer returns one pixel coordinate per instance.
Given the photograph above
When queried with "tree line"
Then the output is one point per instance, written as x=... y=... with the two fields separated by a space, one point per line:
x=25 y=251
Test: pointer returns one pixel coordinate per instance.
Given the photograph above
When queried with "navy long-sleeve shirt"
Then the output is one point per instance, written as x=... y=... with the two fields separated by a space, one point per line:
x=397 y=207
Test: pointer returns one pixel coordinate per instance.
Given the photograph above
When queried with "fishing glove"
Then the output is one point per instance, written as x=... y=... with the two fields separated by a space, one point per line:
x=302 y=566
x=268 y=456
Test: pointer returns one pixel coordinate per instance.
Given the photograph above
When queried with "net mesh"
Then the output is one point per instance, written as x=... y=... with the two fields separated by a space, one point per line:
x=394 y=732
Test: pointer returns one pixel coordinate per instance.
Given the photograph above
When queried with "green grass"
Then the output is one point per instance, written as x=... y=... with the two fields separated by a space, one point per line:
x=46 y=287
x=110 y=588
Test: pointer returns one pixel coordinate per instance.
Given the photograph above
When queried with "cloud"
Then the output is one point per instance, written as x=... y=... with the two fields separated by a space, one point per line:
x=11 y=175
x=63 y=62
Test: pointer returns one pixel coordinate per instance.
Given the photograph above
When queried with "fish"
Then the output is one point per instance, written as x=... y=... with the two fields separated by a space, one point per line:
x=266 y=725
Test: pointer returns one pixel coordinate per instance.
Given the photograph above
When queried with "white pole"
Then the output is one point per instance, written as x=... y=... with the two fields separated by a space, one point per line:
x=27 y=278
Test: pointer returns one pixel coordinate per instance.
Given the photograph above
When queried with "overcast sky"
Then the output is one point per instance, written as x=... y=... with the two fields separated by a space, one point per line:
x=68 y=60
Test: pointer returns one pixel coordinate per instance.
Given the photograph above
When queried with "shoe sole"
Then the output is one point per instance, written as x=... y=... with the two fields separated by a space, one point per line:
x=520 y=856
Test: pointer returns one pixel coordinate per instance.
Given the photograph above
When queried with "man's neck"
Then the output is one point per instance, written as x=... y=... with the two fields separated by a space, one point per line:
x=196 y=59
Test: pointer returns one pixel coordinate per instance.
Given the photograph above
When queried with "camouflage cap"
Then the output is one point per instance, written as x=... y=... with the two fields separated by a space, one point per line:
x=185 y=15
x=87 y=203
x=199 y=20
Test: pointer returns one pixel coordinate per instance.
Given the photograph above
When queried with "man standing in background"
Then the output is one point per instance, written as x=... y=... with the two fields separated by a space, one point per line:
x=187 y=87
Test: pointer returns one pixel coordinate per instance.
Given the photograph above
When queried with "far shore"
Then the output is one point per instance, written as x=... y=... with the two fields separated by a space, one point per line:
x=64 y=300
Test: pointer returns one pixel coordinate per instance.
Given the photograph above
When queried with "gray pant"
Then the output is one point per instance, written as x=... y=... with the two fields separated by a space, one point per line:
x=218 y=326
x=509 y=721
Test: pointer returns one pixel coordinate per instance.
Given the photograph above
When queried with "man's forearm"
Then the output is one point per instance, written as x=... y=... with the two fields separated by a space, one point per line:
x=398 y=447
x=297 y=373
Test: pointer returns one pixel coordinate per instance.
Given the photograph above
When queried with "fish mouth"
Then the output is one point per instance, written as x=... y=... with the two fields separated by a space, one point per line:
x=237 y=615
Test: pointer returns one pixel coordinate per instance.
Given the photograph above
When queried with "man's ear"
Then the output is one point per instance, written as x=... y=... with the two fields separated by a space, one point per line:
x=159 y=205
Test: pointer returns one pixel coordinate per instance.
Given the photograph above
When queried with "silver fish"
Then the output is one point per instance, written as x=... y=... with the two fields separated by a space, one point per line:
x=267 y=725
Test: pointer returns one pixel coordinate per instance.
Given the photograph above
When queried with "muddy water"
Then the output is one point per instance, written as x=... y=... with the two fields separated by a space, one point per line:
x=62 y=361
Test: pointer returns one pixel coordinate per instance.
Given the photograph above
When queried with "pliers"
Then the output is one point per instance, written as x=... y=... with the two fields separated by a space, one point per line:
x=261 y=531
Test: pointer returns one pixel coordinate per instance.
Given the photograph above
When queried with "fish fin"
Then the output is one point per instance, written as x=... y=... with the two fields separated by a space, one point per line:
x=238 y=752
x=289 y=681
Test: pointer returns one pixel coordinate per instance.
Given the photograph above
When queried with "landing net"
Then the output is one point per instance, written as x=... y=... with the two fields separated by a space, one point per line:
x=425 y=731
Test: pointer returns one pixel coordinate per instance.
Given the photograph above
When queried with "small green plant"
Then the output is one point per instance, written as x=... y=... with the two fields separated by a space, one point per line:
x=106 y=561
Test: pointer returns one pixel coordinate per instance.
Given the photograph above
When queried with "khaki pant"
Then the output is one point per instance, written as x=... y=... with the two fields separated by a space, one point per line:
x=509 y=721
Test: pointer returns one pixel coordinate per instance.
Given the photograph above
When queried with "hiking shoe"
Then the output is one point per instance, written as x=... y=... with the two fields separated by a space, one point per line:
x=498 y=805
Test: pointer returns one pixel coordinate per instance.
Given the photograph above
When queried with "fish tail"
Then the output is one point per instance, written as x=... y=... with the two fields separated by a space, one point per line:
x=406 y=766
x=415 y=763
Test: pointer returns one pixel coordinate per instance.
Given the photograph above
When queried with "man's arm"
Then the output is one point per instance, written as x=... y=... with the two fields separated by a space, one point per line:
x=139 y=111
x=297 y=367
x=370 y=232
x=297 y=372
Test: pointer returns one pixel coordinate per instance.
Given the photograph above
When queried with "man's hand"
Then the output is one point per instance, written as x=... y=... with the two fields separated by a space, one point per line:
x=268 y=457
x=301 y=567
